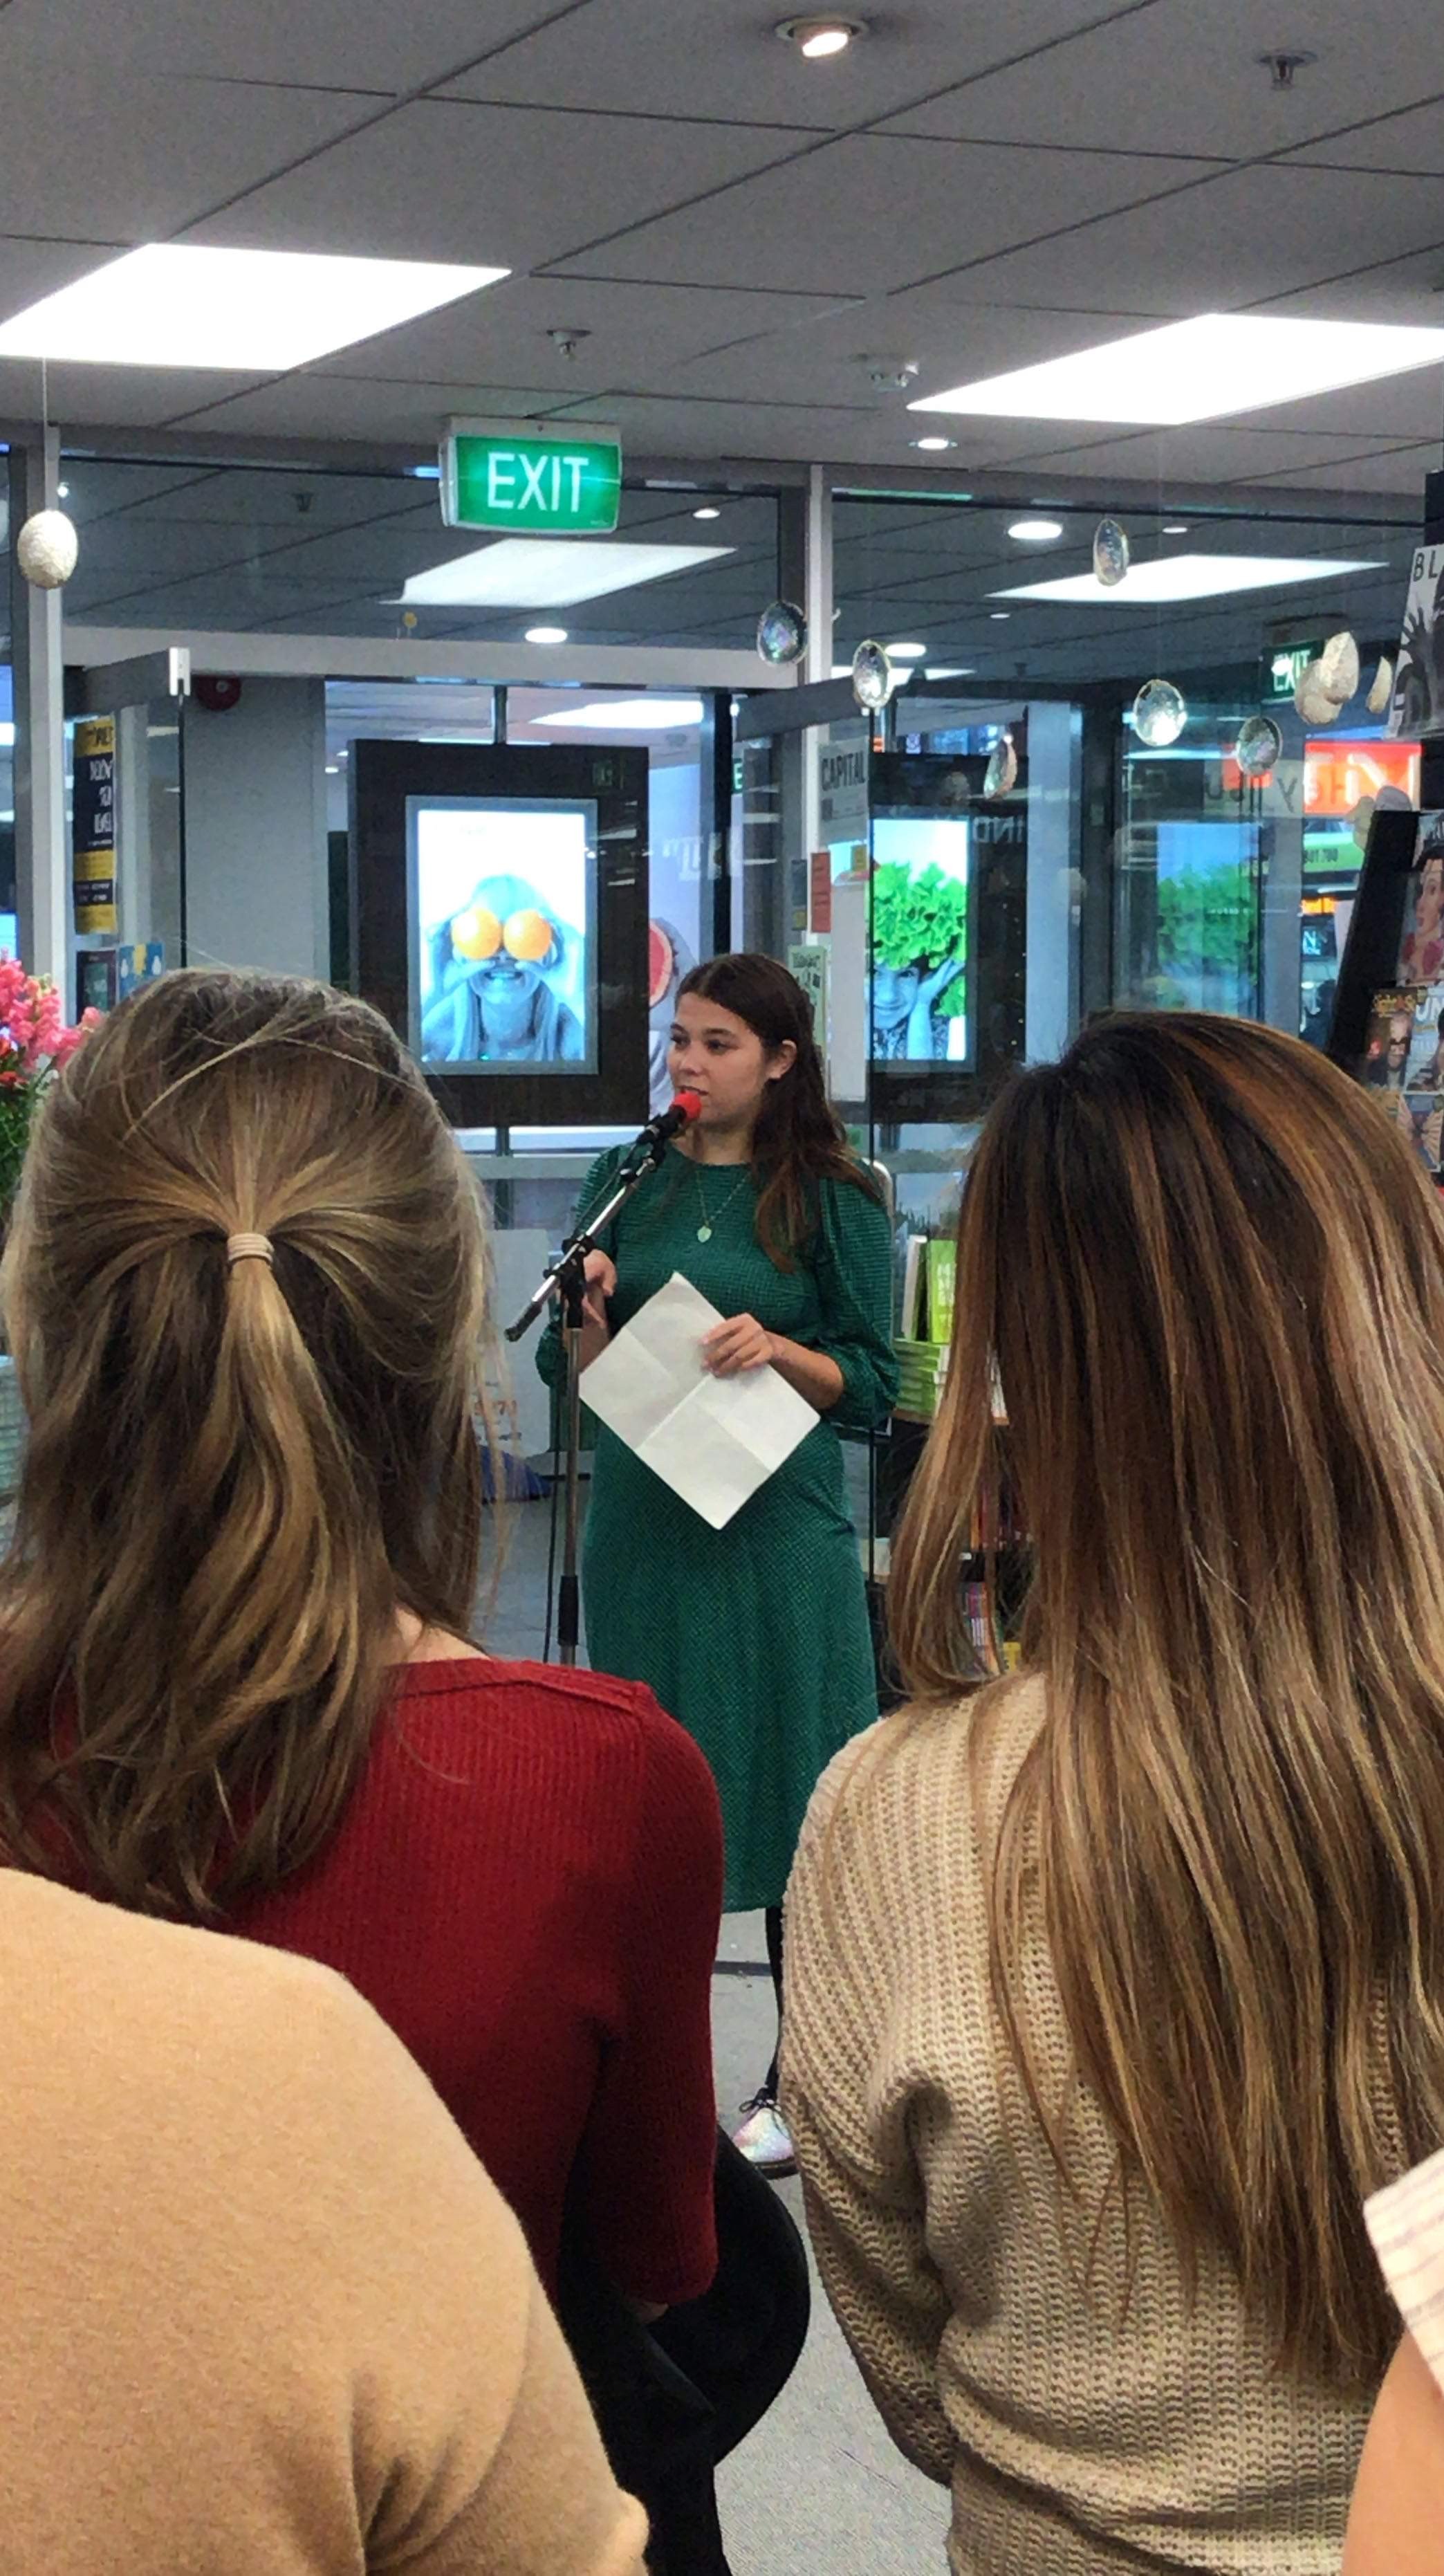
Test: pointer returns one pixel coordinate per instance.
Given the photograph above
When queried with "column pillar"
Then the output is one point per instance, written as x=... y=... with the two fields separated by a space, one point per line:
x=42 y=871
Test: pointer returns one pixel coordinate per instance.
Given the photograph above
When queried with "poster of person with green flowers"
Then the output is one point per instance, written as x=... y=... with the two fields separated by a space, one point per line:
x=920 y=890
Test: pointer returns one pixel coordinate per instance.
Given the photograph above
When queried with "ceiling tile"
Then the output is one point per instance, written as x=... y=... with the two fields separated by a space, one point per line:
x=300 y=41
x=160 y=152
x=1413 y=141
x=631 y=331
x=1402 y=471
x=1177 y=78
x=1212 y=452
x=310 y=405
x=927 y=206
x=722 y=55
x=123 y=397
x=447 y=181
x=825 y=359
x=1236 y=239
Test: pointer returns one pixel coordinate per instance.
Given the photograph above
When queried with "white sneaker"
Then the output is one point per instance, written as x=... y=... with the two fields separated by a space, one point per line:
x=764 y=2139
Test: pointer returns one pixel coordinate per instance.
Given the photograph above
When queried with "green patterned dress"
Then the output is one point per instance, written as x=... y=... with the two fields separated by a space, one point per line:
x=755 y=1636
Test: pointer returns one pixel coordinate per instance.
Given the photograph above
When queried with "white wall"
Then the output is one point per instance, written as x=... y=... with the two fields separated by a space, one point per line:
x=255 y=822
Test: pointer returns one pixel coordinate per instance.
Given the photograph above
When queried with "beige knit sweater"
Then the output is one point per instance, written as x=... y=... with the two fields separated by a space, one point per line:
x=262 y=2312
x=1076 y=2441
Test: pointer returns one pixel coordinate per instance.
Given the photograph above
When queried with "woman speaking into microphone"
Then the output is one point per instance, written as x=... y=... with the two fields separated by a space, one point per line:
x=756 y=1636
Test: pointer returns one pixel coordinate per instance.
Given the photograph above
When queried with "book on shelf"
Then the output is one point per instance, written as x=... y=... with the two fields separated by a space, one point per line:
x=942 y=1287
x=914 y=1279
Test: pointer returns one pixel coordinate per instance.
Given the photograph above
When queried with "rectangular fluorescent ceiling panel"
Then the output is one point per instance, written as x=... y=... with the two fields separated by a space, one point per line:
x=1201 y=370
x=548 y=572
x=257 y=312
x=628 y=715
x=1174 y=577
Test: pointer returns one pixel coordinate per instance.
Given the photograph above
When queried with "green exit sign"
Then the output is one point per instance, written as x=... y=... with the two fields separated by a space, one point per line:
x=540 y=483
x=1288 y=665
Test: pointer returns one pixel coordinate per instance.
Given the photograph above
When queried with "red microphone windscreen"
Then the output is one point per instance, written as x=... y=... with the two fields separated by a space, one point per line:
x=690 y=1103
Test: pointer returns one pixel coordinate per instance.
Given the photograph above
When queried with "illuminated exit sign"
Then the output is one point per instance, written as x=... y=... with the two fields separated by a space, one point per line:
x=541 y=483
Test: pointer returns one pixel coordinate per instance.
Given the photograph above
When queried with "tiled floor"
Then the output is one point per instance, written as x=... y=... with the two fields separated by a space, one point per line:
x=817 y=2489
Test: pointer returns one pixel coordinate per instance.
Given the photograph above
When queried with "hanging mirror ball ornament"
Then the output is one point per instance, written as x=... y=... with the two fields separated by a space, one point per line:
x=48 y=549
x=1312 y=699
x=1338 y=668
x=1160 y=712
x=872 y=675
x=781 y=633
x=1002 y=770
x=1382 y=687
x=1111 y=553
x=1258 y=746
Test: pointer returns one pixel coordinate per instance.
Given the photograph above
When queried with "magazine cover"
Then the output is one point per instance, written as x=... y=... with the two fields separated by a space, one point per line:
x=1421 y=1120
x=1391 y=1035
x=1421 y=952
x=1417 y=706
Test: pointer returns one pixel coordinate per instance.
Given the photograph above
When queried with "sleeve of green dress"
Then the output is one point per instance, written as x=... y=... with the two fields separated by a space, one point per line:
x=852 y=1264
x=595 y=1188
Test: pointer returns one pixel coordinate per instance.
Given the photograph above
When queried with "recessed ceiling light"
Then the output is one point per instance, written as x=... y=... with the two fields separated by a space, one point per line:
x=629 y=715
x=905 y=652
x=1176 y=577
x=1036 y=532
x=1199 y=370
x=707 y=514
x=932 y=446
x=332 y=770
x=546 y=635
x=543 y=572
x=819 y=37
x=999 y=616
x=180 y=304
x=1175 y=527
x=949 y=671
x=62 y=491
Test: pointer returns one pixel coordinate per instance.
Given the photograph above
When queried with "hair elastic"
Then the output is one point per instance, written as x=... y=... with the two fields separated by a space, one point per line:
x=249 y=1247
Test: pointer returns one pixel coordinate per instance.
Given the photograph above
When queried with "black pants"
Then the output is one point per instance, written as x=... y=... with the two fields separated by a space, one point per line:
x=773 y=1921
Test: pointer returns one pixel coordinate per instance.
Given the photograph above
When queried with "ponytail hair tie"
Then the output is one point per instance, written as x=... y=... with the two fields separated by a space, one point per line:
x=249 y=1247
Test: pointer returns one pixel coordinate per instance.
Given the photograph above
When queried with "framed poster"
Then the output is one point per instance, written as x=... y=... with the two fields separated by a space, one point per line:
x=499 y=903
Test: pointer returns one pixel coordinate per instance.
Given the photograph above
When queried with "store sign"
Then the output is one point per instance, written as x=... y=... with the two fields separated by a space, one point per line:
x=93 y=825
x=1288 y=665
x=533 y=483
x=1337 y=774
x=842 y=798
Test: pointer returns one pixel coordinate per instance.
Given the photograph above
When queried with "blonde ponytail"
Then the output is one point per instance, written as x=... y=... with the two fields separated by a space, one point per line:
x=242 y=1462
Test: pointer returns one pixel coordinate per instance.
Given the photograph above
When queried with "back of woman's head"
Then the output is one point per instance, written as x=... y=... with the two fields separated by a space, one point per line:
x=1211 y=1279
x=237 y=1470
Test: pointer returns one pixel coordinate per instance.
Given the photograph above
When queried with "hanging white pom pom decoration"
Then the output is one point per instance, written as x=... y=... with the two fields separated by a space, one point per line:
x=1383 y=688
x=48 y=549
x=1338 y=668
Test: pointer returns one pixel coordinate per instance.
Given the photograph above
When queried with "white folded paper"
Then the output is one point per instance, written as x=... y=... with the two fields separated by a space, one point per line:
x=714 y=1440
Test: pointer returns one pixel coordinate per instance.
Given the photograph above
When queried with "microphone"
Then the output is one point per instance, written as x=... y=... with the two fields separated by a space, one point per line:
x=679 y=1113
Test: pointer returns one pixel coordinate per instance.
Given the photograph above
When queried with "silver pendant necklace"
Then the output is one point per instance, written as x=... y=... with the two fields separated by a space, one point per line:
x=704 y=1230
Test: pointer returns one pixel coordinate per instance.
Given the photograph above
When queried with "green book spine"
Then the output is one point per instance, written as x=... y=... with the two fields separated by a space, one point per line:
x=942 y=1287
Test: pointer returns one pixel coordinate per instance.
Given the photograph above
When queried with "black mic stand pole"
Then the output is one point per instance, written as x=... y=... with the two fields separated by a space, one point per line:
x=566 y=1277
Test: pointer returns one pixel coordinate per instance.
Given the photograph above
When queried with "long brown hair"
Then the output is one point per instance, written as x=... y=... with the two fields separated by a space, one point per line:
x=235 y=1474
x=1212 y=1279
x=799 y=1140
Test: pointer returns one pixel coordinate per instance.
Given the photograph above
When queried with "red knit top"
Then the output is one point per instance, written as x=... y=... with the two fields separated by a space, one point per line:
x=527 y=1885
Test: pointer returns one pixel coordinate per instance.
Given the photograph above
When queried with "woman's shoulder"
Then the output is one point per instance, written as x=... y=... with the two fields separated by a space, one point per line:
x=579 y=1723
x=925 y=1782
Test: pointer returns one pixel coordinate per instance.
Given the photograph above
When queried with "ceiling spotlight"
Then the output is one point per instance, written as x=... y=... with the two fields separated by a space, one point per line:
x=819 y=37
x=546 y=635
x=891 y=375
x=932 y=446
x=1000 y=616
x=906 y=652
x=707 y=514
x=1036 y=532
x=1175 y=527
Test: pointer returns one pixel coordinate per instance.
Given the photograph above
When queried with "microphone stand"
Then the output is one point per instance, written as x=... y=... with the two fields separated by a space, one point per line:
x=566 y=1277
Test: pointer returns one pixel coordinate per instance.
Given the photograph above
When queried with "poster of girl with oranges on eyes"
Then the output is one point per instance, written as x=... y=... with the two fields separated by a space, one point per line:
x=503 y=946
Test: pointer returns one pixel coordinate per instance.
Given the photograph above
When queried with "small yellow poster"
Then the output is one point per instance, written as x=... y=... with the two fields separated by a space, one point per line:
x=93 y=827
